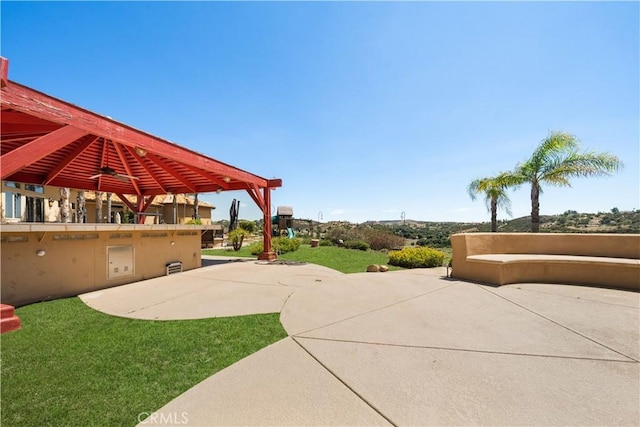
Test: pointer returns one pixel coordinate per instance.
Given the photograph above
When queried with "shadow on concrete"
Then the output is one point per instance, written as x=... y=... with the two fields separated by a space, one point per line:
x=209 y=262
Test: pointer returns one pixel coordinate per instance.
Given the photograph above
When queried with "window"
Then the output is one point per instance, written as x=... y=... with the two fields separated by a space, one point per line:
x=34 y=188
x=12 y=184
x=13 y=205
x=34 y=209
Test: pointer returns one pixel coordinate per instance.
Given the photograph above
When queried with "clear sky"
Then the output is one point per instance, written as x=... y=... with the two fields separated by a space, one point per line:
x=364 y=109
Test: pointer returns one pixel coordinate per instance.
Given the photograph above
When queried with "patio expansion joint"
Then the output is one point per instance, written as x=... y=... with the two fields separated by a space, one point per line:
x=376 y=309
x=213 y=279
x=351 y=389
x=636 y=307
x=465 y=350
x=560 y=325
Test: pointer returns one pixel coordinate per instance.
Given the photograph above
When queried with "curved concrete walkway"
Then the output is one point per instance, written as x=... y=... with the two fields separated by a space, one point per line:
x=413 y=348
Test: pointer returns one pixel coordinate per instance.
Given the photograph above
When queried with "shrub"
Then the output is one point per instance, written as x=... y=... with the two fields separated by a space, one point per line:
x=237 y=237
x=417 y=257
x=356 y=244
x=249 y=226
x=256 y=248
x=281 y=245
x=379 y=239
x=325 y=242
x=342 y=232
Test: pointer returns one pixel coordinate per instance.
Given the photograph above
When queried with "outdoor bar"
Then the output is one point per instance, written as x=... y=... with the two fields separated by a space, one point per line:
x=52 y=247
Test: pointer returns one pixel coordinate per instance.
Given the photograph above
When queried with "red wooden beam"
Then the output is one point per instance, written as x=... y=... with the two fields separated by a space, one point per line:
x=274 y=183
x=127 y=202
x=148 y=203
x=126 y=167
x=29 y=153
x=4 y=71
x=146 y=168
x=161 y=163
x=25 y=119
x=256 y=196
x=208 y=175
x=22 y=98
x=68 y=160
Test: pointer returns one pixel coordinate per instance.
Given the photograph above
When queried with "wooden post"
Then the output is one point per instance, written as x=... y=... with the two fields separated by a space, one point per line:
x=267 y=254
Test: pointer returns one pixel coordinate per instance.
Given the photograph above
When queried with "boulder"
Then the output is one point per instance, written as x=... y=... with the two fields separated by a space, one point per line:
x=383 y=268
x=373 y=268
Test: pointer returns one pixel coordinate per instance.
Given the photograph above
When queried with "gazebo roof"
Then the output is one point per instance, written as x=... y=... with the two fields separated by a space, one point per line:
x=47 y=141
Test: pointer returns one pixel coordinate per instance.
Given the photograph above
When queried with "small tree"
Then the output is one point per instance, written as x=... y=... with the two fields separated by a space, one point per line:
x=495 y=194
x=237 y=237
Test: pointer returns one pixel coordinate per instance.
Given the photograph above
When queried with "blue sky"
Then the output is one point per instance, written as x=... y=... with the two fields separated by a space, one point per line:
x=364 y=109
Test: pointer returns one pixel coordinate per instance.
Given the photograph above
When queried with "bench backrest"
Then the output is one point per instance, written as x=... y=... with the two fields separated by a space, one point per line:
x=605 y=245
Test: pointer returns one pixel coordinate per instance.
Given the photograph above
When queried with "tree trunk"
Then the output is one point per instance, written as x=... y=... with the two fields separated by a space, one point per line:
x=237 y=243
x=535 y=207
x=109 y=208
x=65 y=209
x=81 y=207
x=494 y=214
x=99 y=207
x=195 y=208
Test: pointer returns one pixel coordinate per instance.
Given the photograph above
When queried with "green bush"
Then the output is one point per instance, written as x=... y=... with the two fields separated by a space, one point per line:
x=249 y=226
x=325 y=242
x=280 y=245
x=379 y=239
x=417 y=257
x=356 y=244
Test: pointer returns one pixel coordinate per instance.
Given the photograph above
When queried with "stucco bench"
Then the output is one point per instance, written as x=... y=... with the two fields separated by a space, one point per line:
x=503 y=269
x=502 y=258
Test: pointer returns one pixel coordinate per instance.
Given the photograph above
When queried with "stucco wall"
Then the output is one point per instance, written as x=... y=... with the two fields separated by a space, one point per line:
x=75 y=259
x=593 y=245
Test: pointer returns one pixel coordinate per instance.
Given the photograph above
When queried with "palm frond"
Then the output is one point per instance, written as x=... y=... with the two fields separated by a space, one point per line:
x=556 y=144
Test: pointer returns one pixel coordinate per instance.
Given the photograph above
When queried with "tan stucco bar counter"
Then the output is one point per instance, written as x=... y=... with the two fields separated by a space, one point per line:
x=45 y=261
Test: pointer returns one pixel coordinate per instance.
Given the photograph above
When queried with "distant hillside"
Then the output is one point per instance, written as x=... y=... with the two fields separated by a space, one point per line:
x=568 y=222
x=438 y=233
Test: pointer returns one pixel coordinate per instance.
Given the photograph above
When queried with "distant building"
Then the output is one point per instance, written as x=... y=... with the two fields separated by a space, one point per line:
x=21 y=202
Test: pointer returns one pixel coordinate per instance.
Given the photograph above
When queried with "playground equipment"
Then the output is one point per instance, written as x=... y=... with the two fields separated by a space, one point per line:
x=282 y=222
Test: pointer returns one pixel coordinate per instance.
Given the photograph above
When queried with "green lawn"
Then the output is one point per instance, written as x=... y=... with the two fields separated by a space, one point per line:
x=72 y=365
x=341 y=259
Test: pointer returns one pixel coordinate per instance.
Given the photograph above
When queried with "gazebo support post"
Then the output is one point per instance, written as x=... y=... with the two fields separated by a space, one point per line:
x=267 y=254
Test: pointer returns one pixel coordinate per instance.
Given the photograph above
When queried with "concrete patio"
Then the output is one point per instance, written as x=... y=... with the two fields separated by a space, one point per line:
x=401 y=348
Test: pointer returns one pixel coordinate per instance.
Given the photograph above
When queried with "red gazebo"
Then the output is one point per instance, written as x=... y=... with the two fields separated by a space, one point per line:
x=47 y=141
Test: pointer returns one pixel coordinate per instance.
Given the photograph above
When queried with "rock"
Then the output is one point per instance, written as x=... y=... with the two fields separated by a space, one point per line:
x=373 y=268
x=383 y=268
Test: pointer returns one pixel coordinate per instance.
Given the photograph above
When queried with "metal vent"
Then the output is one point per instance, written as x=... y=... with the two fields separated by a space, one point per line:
x=174 y=267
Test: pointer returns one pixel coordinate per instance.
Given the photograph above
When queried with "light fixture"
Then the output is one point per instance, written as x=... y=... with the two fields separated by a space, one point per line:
x=219 y=190
x=141 y=151
x=173 y=243
x=226 y=179
x=41 y=252
x=50 y=202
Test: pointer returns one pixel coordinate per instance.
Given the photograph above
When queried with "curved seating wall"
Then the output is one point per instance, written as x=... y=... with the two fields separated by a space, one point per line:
x=611 y=260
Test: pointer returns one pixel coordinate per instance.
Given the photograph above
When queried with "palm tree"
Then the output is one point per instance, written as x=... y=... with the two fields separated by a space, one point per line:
x=495 y=194
x=557 y=159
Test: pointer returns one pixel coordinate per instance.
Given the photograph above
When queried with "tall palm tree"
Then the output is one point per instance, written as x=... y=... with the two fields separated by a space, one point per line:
x=557 y=159
x=495 y=194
